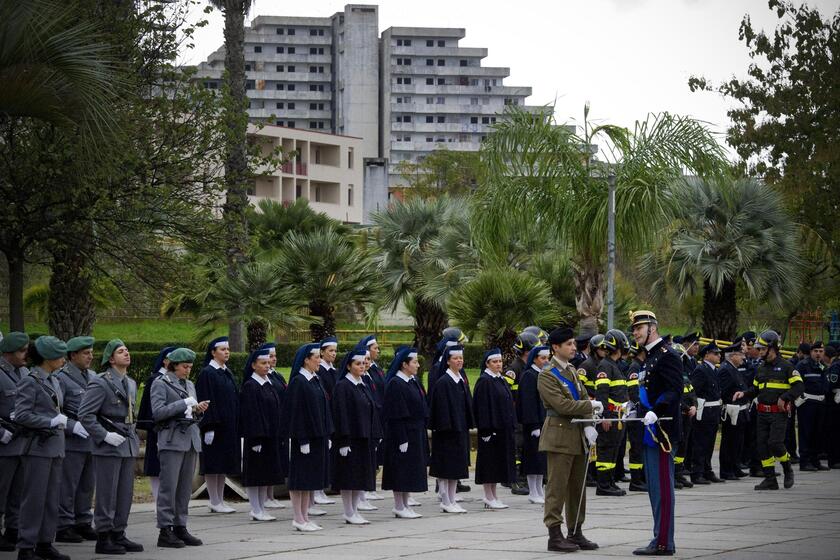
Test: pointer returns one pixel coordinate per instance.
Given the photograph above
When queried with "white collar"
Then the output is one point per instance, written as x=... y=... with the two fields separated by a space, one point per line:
x=491 y=374
x=453 y=375
x=650 y=346
x=326 y=365
x=162 y=370
x=403 y=376
x=535 y=368
x=711 y=365
x=306 y=373
x=216 y=365
x=261 y=380
x=353 y=380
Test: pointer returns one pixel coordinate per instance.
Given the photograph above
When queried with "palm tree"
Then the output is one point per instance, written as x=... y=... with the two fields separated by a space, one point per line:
x=728 y=236
x=271 y=221
x=545 y=174
x=325 y=269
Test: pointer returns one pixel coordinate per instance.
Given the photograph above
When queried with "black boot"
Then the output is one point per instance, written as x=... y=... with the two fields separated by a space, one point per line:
x=104 y=544
x=118 y=537
x=788 y=468
x=168 y=539
x=48 y=552
x=68 y=535
x=590 y=481
x=605 y=487
x=680 y=479
x=557 y=543
x=637 y=483
x=189 y=540
x=462 y=487
x=11 y=536
x=712 y=477
x=6 y=546
x=613 y=484
x=85 y=531
x=518 y=489
x=26 y=554
x=582 y=542
x=769 y=482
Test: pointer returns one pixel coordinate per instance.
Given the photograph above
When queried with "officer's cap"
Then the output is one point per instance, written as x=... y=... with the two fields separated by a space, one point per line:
x=691 y=337
x=710 y=347
x=643 y=317
x=732 y=348
x=817 y=344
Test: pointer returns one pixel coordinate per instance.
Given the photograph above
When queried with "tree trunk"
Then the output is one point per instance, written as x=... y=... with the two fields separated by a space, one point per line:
x=236 y=165
x=589 y=294
x=720 y=312
x=327 y=326
x=429 y=322
x=71 y=309
x=15 y=261
x=257 y=334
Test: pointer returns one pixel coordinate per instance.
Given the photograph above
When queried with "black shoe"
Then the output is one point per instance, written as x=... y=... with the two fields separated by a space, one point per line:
x=590 y=481
x=582 y=542
x=518 y=490
x=728 y=476
x=26 y=554
x=712 y=477
x=639 y=486
x=85 y=531
x=739 y=473
x=756 y=473
x=700 y=480
x=769 y=482
x=557 y=543
x=168 y=539
x=68 y=535
x=189 y=540
x=821 y=467
x=48 y=552
x=678 y=485
x=653 y=551
x=835 y=465
x=788 y=470
x=118 y=537
x=104 y=544
x=463 y=487
x=6 y=546
x=807 y=468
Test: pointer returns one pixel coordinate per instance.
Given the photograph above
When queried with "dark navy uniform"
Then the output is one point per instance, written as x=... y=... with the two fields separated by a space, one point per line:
x=635 y=430
x=223 y=455
x=308 y=417
x=586 y=373
x=495 y=418
x=833 y=414
x=688 y=400
x=406 y=415
x=531 y=414
x=611 y=390
x=450 y=420
x=749 y=453
x=732 y=436
x=810 y=412
x=706 y=387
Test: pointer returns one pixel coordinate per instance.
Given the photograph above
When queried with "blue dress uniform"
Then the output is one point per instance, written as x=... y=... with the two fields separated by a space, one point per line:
x=495 y=418
x=223 y=455
x=732 y=435
x=278 y=383
x=406 y=414
x=707 y=388
x=356 y=425
x=810 y=409
x=833 y=412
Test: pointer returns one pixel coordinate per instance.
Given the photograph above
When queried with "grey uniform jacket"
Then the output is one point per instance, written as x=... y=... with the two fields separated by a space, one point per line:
x=74 y=383
x=101 y=400
x=175 y=431
x=39 y=400
x=9 y=379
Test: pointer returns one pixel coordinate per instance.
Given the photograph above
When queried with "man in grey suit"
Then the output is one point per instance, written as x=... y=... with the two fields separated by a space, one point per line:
x=107 y=413
x=176 y=412
x=75 y=505
x=41 y=427
x=13 y=347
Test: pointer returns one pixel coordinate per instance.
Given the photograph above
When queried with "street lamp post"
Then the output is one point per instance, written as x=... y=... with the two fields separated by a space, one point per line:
x=611 y=251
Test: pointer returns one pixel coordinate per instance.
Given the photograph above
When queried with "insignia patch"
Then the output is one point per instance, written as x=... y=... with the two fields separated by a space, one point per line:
x=833 y=378
x=601 y=375
x=634 y=376
x=581 y=371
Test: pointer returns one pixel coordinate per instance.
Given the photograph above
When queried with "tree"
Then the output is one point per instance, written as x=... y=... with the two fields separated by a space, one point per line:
x=786 y=121
x=442 y=172
x=544 y=174
x=271 y=221
x=325 y=269
x=727 y=236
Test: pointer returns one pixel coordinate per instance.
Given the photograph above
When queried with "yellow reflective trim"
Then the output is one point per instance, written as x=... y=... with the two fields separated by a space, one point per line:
x=679 y=460
x=755 y=382
x=794 y=379
x=618 y=383
x=589 y=384
x=772 y=385
x=769 y=462
x=602 y=382
x=686 y=389
x=635 y=466
x=634 y=383
x=784 y=458
x=604 y=466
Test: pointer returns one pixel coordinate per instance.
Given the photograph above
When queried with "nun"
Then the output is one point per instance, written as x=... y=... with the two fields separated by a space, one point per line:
x=357 y=431
x=221 y=453
x=531 y=414
x=375 y=380
x=307 y=415
x=328 y=376
x=278 y=383
x=145 y=421
x=406 y=445
x=176 y=412
x=259 y=425
x=495 y=419
x=450 y=420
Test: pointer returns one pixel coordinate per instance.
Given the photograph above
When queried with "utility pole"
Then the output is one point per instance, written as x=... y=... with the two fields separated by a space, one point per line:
x=611 y=251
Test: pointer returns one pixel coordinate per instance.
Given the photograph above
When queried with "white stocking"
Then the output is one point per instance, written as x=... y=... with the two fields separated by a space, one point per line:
x=254 y=498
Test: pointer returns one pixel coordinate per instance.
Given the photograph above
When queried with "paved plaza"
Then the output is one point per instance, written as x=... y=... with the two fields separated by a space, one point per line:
x=719 y=521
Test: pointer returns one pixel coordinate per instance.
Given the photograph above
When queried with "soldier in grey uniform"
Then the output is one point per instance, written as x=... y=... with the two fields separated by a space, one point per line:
x=41 y=426
x=14 y=347
x=176 y=412
x=75 y=508
x=107 y=413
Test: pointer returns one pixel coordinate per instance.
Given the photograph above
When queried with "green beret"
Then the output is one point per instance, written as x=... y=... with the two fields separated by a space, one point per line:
x=110 y=348
x=50 y=347
x=181 y=355
x=14 y=341
x=79 y=343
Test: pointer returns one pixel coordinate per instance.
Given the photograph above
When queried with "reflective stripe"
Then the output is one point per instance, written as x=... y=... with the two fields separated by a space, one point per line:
x=773 y=385
x=813 y=375
x=679 y=460
x=618 y=383
x=794 y=379
x=784 y=458
x=604 y=466
x=769 y=462
x=635 y=466
x=615 y=403
x=686 y=389
x=602 y=382
x=633 y=383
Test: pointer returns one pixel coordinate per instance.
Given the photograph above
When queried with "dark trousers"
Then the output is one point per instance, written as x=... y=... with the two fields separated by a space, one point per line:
x=731 y=443
x=683 y=455
x=790 y=432
x=11 y=483
x=620 y=453
x=705 y=432
x=770 y=434
x=607 y=447
x=749 y=453
x=810 y=419
x=75 y=505
x=832 y=432
x=39 y=508
x=659 y=467
x=635 y=435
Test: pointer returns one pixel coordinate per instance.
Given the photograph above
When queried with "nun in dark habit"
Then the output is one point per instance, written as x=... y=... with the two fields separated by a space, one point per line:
x=146 y=422
x=374 y=378
x=307 y=414
x=355 y=435
x=531 y=414
x=406 y=445
x=450 y=420
x=495 y=419
x=221 y=451
x=278 y=383
x=328 y=376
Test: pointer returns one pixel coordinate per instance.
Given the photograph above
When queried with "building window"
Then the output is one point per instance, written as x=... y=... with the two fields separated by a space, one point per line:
x=313 y=69
x=313 y=124
x=492 y=120
x=485 y=120
x=291 y=68
x=430 y=43
x=280 y=68
x=249 y=84
x=473 y=100
x=211 y=85
x=441 y=43
x=430 y=101
x=350 y=190
x=278 y=123
x=430 y=119
x=291 y=87
x=407 y=42
x=279 y=87
x=313 y=32
x=298 y=189
x=281 y=50
x=247 y=67
x=316 y=106
x=279 y=30
x=463 y=62
x=291 y=31
x=350 y=162
x=291 y=124
x=430 y=81
x=430 y=62
x=441 y=100
x=429 y=139
x=473 y=120
x=291 y=50
x=313 y=50
x=258 y=49
x=441 y=62
x=441 y=82
x=316 y=87
x=508 y=101
x=441 y=119
x=279 y=104
x=291 y=105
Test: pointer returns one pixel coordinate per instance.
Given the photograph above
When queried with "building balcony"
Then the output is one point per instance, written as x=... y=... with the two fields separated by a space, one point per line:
x=438 y=52
x=432 y=128
x=467 y=90
x=458 y=109
x=283 y=95
x=471 y=71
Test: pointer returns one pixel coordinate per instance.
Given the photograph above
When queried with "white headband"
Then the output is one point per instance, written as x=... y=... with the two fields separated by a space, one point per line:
x=357 y=358
x=315 y=351
x=493 y=357
x=545 y=353
x=451 y=343
x=220 y=344
x=261 y=356
x=328 y=344
x=412 y=355
x=371 y=342
x=456 y=353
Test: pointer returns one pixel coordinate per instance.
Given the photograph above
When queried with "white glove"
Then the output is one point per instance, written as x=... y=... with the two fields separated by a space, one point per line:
x=6 y=437
x=58 y=420
x=304 y=449
x=79 y=430
x=257 y=448
x=591 y=435
x=208 y=438
x=626 y=407
x=114 y=439
x=188 y=413
x=329 y=444
x=403 y=447
x=190 y=402
x=485 y=438
x=536 y=433
x=650 y=418
x=836 y=396
x=344 y=451
x=597 y=407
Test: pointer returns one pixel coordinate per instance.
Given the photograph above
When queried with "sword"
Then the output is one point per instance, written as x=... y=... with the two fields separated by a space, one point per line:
x=599 y=420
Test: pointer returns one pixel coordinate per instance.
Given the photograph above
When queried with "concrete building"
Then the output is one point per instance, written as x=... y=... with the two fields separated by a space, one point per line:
x=325 y=170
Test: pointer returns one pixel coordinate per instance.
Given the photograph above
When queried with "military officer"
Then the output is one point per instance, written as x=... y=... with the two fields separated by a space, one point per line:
x=107 y=413
x=176 y=411
x=611 y=388
x=704 y=379
x=566 y=445
x=41 y=426
x=14 y=348
x=75 y=506
x=635 y=430
x=732 y=391
x=582 y=344
x=688 y=410
x=810 y=407
x=776 y=385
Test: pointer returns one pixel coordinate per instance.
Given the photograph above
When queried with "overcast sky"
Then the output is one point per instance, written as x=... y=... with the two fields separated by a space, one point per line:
x=626 y=57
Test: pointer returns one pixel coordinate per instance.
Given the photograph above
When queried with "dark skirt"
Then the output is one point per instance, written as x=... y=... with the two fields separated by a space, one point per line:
x=356 y=471
x=224 y=456
x=406 y=472
x=494 y=461
x=310 y=471
x=450 y=455
x=263 y=468
x=151 y=463
x=533 y=460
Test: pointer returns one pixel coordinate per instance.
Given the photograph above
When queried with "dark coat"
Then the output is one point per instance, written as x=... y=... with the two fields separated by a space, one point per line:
x=356 y=425
x=224 y=455
x=307 y=415
x=406 y=415
x=145 y=421
x=531 y=414
x=259 y=425
x=664 y=385
x=450 y=420
x=278 y=382
x=495 y=416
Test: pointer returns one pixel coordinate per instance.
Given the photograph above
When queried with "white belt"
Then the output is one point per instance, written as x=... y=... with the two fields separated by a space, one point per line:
x=713 y=403
x=811 y=397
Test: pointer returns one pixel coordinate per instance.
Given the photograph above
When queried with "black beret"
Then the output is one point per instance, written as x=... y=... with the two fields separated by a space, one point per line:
x=749 y=336
x=804 y=347
x=817 y=344
x=830 y=351
x=560 y=335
